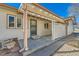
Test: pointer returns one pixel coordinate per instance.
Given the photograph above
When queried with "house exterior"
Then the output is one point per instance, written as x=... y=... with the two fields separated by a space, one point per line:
x=39 y=15
x=31 y=20
x=58 y=28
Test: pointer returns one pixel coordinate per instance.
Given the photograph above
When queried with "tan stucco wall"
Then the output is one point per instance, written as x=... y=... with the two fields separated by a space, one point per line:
x=41 y=31
x=6 y=33
x=59 y=30
x=70 y=27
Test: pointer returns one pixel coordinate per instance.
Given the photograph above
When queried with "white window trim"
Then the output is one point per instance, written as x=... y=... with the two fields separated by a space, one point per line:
x=14 y=21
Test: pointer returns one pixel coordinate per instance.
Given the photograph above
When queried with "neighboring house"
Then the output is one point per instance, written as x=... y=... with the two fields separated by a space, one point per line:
x=30 y=21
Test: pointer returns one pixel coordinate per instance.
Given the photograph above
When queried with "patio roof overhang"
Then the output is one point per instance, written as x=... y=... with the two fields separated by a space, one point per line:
x=40 y=16
x=55 y=17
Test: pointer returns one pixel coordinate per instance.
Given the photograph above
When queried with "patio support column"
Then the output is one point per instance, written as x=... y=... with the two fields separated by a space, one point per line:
x=53 y=30
x=25 y=25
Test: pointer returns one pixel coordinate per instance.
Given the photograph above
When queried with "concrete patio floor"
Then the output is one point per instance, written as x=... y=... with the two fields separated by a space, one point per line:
x=38 y=43
x=32 y=44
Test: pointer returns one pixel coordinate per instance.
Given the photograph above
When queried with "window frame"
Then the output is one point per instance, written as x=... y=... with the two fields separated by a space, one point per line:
x=14 y=21
x=46 y=25
x=21 y=23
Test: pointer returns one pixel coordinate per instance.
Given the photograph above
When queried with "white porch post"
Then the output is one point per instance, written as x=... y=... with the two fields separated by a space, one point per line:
x=25 y=21
x=53 y=30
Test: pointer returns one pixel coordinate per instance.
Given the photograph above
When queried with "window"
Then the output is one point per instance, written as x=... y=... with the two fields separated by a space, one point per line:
x=15 y=21
x=19 y=22
x=11 y=21
x=46 y=25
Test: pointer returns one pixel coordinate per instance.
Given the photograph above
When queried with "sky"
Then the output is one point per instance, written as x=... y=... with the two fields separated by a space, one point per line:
x=16 y=5
x=61 y=9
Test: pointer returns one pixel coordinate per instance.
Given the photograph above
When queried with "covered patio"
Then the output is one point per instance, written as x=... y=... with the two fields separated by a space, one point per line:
x=32 y=44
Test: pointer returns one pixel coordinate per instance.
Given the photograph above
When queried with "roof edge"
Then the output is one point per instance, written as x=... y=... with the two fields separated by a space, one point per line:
x=5 y=5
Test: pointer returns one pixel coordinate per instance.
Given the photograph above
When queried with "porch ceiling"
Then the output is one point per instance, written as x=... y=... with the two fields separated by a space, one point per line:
x=40 y=16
